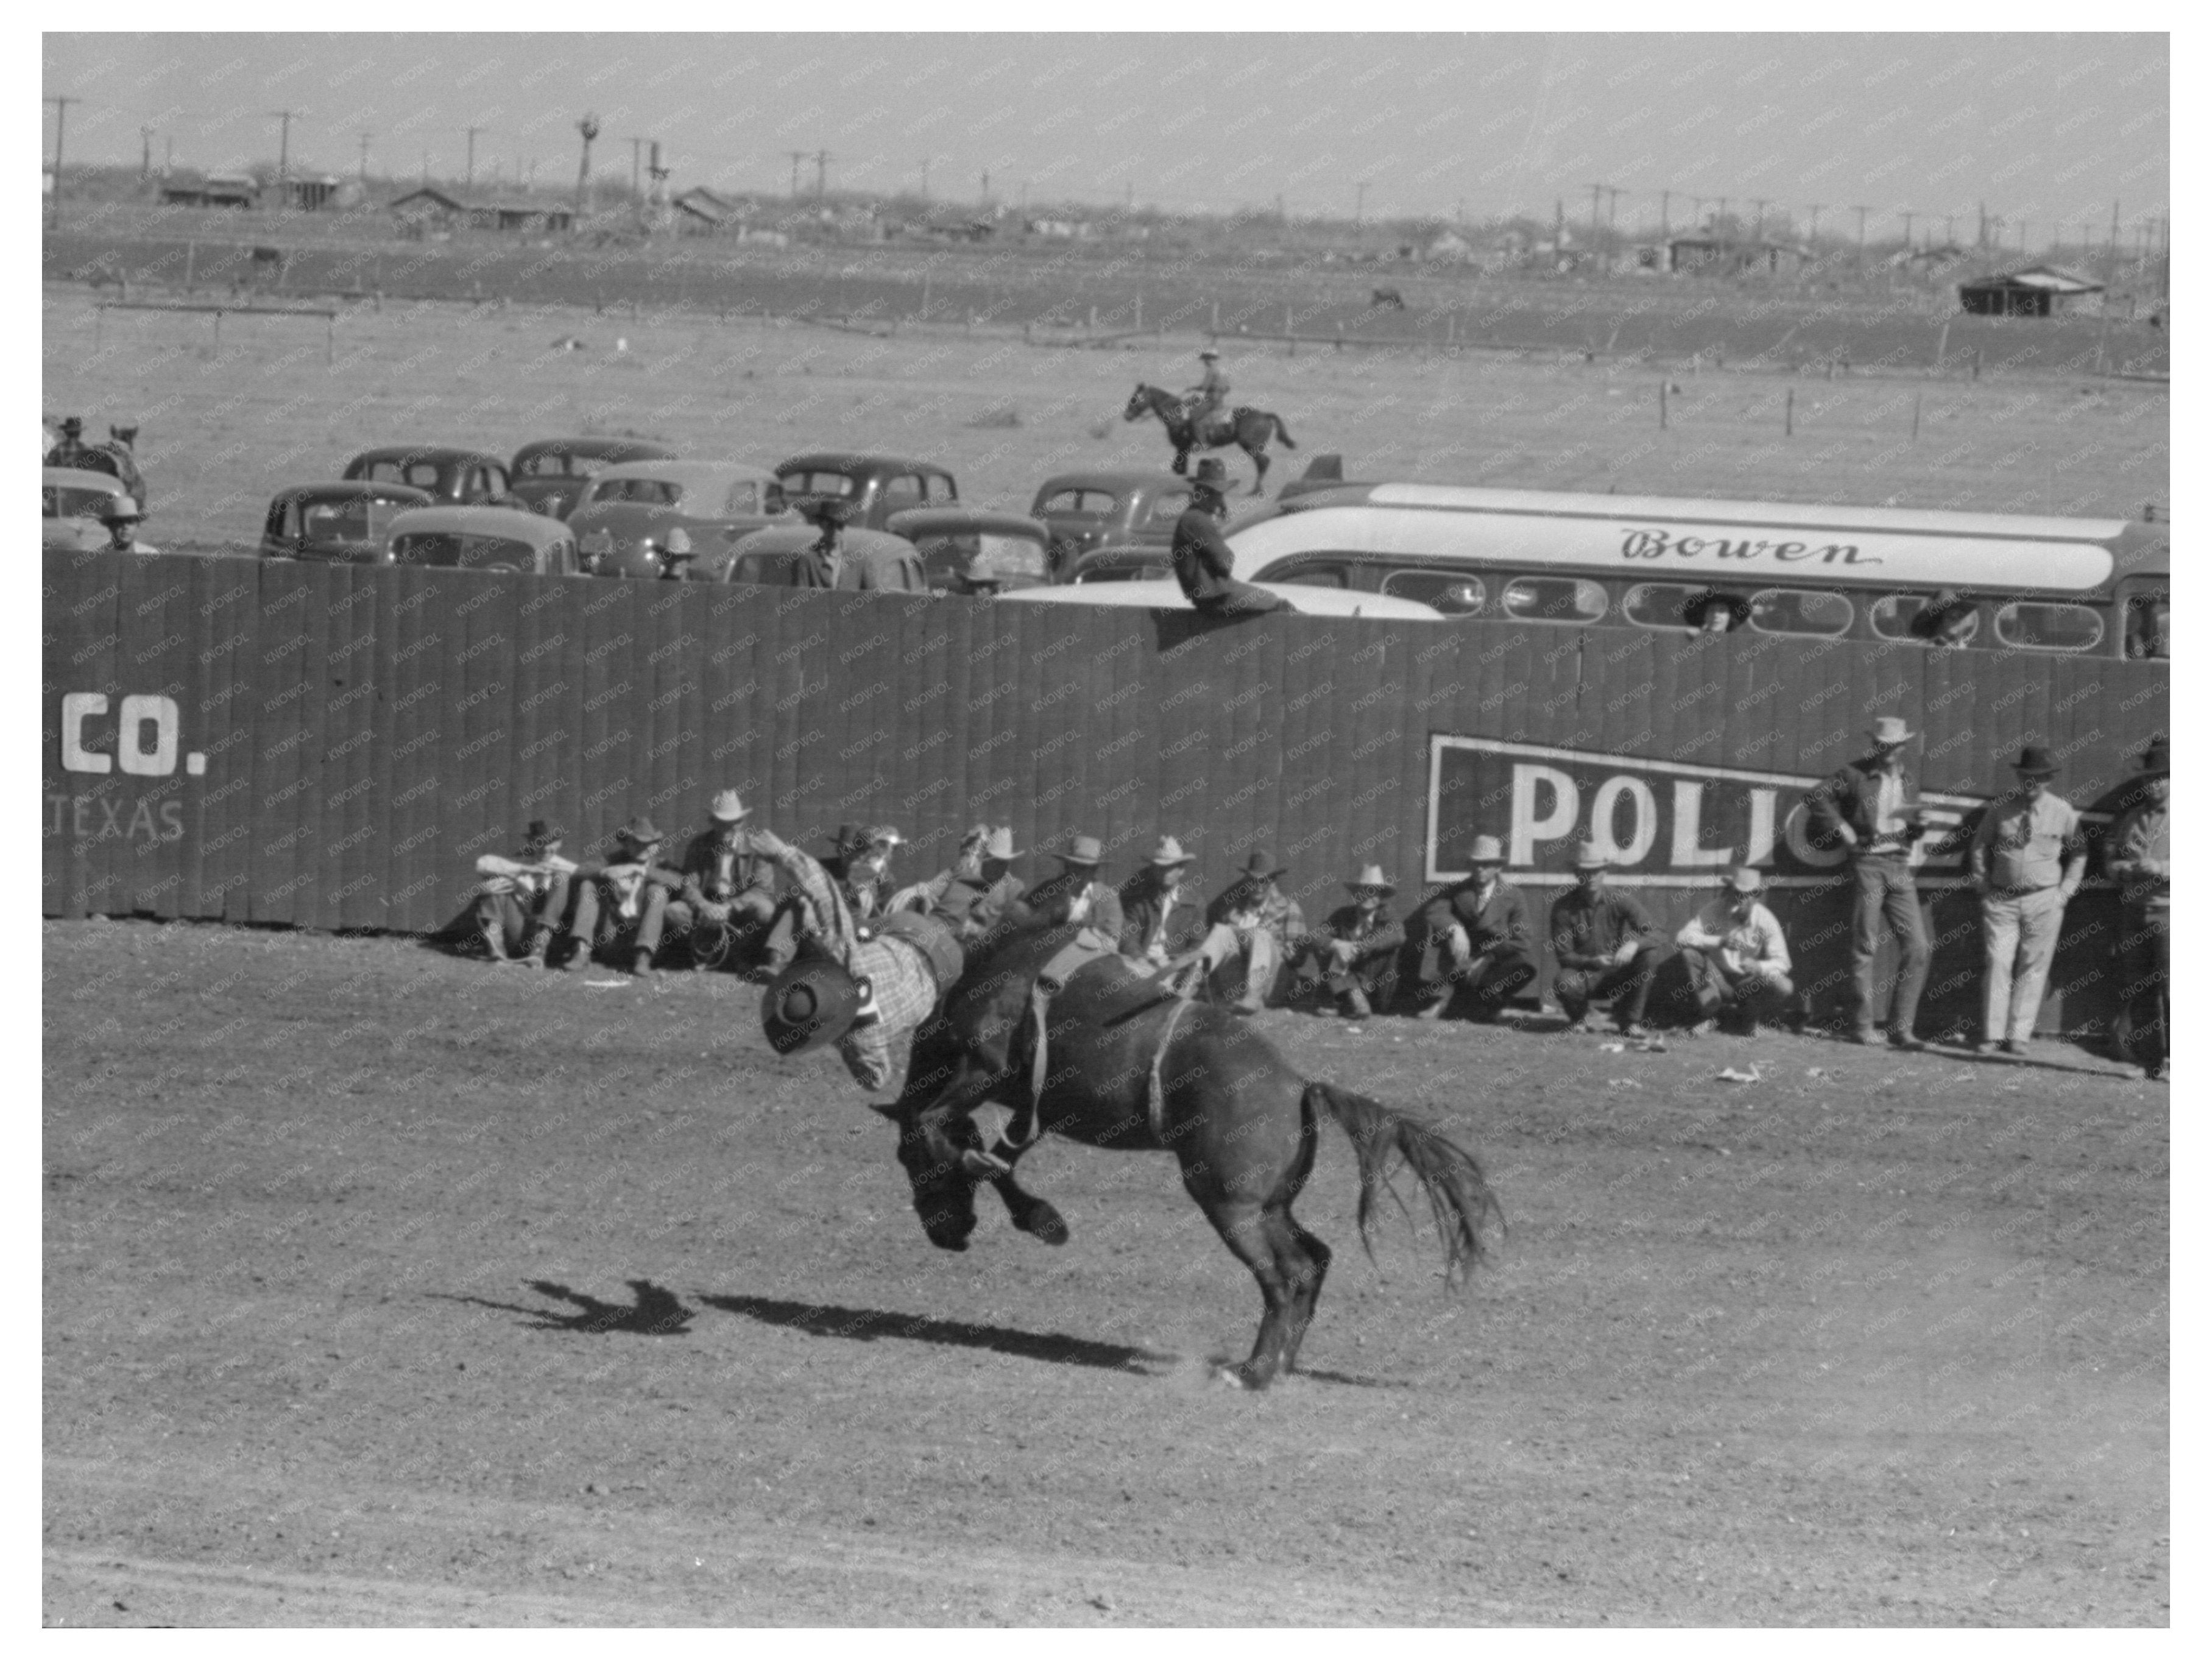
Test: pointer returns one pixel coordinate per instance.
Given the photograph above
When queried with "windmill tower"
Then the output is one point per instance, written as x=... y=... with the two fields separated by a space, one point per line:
x=589 y=126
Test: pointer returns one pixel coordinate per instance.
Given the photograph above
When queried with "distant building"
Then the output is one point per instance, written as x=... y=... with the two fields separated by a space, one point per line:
x=428 y=205
x=1450 y=248
x=319 y=193
x=1064 y=229
x=702 y=211
x=215 y=190
x=1725 y=256
x=2037 y=291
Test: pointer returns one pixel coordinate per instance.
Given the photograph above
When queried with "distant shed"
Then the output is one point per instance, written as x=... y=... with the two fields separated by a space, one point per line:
x=2037 y=291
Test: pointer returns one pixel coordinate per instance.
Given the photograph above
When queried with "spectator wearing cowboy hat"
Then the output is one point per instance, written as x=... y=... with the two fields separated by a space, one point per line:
x=1252 y=928
x=122 y=516
x=825 y=564
x=728 y=904
x=73 y=450
x=2026 y=858
x=1871 y=808
x=859 y=863
x=674 y=552
x=1737 y=958
x=2138 y=856
x=1076 y=894
x=1354 y=953
x=1604 y=945
x=623 y=899
x=1478 y=938
x=978 y=893
x=525 y=897
x=1202 y=561
x=1160 y=921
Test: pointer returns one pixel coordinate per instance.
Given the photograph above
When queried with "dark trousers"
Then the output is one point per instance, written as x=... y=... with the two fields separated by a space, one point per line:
x=1753 y=995
x=746 y=943
x=599 y=922
x=514 y=918
x=1375 y=978
x=2143 y=988
x=1629 y=984
x=1502 y=972
x=1887 y=895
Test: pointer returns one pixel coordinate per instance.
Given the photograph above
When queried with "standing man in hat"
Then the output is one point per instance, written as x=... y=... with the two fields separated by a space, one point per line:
x=525 y=898
x=1355 y=952
x=1738 y=960
x=825 y=564
x=1252 y=928
x=977 y=895
x=1203 y=564
x=1479 y=938
x=1871 y=807
x=865 y=988
x=1202 y=402
x=2139 y=856
x=122 y=516
x=631 y=890
x=2027 y=860
x=1160 y=921
x=727 y=906
x=1088 y=900
x=1605 y=946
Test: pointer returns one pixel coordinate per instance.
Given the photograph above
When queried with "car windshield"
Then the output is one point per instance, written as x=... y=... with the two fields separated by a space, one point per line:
x=802 y=481
x=451 y=550
x=358 y=520
x=66 y=501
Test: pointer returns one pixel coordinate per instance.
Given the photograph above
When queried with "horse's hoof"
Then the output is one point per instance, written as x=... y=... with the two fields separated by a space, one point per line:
x=1233 y=1377
x=1044 y=1222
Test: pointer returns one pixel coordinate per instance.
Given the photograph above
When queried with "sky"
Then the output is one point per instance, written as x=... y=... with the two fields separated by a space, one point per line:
x=2050 y=128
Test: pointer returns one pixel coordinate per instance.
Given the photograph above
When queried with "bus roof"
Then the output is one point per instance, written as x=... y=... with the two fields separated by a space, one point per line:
x=1706 y=541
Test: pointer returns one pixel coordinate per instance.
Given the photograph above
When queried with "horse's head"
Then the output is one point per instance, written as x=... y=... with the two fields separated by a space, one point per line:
x=943 y=1187
x=126 y=436
x=1139 y=404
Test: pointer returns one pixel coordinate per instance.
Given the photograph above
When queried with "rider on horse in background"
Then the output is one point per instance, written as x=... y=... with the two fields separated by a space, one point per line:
x=1202 y=402
x=74 y=452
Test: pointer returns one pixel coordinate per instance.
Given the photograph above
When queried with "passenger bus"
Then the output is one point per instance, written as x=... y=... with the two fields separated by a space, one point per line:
x=1976 y=581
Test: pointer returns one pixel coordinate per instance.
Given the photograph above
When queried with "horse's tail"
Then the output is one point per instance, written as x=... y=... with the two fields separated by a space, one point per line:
x=1282 y=431
x=1460 y=1200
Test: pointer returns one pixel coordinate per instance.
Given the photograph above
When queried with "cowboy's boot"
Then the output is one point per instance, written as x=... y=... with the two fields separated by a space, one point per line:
x=540 y=943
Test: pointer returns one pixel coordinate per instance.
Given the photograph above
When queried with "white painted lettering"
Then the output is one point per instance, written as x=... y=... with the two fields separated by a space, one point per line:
x=77 y=707
x=1686 y=854
x=1605 y=809
x=1527 y=828
x=131 y=754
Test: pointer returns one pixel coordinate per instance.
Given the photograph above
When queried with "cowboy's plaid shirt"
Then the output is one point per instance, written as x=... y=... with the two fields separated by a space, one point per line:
x=905 y=985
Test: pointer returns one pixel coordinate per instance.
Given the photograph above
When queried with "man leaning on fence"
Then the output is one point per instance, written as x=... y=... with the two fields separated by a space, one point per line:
x=2026 y=861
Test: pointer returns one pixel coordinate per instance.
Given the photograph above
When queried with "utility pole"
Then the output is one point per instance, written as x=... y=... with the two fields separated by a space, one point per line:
x=1759 y=219
x=365 y=137
x=470 y=178
x=925 y=179
x=1909 y=217
x=821 y=159
x=797 y=156
x=1594 y=189
x=1949 y=240
x=1611 y=203
x=2023 y=236
x=2113 y=251
x=1665 y=197
x=145 y=152
x=284 y=141
x=1812 y=236
x=589 y=127
x=61 y=115
x=637 y=145
x=1359 y=203
x=1862 y=213
x=1981 y=224
x=985 y=198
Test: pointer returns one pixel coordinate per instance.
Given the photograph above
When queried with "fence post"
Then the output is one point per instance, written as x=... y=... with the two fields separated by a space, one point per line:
x=1662 y=403
x=1789 y=412
x=1916 y=417
x=192 y=250
x=1138 y=322
x=1942 y=339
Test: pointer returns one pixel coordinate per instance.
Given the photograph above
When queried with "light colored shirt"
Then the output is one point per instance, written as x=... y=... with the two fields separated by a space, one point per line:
x=2025 y=847
x=2142 y=857
x=1888 y=807
x=1742 y=942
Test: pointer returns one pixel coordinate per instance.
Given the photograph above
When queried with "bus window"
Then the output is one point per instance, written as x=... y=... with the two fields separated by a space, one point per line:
x=1307 y=574
x=1660 y=604
x=1944 y=620
x=2147 y=625
x=1800 y=611
x=2041 y=625
x=1553 y=598
x=1450 y=591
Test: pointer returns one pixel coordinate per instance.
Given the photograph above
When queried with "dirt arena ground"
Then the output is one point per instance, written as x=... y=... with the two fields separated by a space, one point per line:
x=383 y=1287
x=229 y=416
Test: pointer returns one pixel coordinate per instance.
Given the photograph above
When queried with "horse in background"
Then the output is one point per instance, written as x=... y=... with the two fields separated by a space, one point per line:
x=117 y=458
x=1248 y=428
x=1113 y=1062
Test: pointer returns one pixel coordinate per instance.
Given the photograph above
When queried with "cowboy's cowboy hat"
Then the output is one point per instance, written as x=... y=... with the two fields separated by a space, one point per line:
x=1169 y=852
x=1001 y=844
x=2036 y=761
x=1590 y=856
x=72 y=425
x=1207 y=351
x=849 y=839
x=882 y=836
x=1260 y=869
x=726 y=809
x=1745 y=879
x=542 y=835
x=1084 y=853
x=121 y=510
x=1890 y=729
x=640 y=832
x=1486 y=850
x=1211 y=474
x=2153 y=759
x=811 y=1003
x=1372 y=879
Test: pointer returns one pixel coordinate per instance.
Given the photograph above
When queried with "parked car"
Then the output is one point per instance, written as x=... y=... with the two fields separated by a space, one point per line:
x=1121 y=565
x=1323 y=472
x=482 y=539
x=875 y=486
x=342 y=522
x=449 y=474
x=547 y=475
x=625 y=506
x=1168 y=596
x=768 y=556
x=73 y=501
x=1091 y=510
x=972 y=551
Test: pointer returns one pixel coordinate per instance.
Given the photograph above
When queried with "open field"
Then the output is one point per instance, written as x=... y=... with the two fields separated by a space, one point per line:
x=380 y=1287
x=230 y=412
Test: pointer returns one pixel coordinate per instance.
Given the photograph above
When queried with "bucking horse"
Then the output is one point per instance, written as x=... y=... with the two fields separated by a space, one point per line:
x=1112 y=1059
x=1248 y=428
